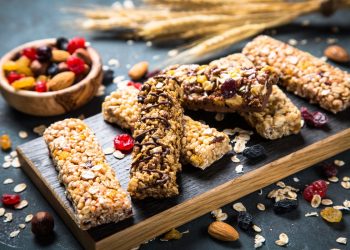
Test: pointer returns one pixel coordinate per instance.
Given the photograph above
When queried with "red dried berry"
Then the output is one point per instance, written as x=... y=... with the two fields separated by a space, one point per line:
x=75 y=43
x=30 y=53
x=10 y=199
x=330 y=169
x=76 y=65
x=317 y=187
x=315 y=119
x=229 y=88
x=123 y=142
x=40 y=86
x=136 y=85
x=14 y=76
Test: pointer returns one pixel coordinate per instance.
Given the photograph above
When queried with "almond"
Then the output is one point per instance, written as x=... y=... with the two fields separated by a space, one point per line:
x=60 y=55
x=138 y=70
x=223 y=231
x=61 y=81
x=337 y=54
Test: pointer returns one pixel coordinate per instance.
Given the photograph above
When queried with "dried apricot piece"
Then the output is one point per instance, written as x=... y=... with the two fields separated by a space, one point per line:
x=24 y=83
x=5 y=142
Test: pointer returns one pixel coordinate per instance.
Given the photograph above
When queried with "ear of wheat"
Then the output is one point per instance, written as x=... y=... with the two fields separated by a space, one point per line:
x=207 y=26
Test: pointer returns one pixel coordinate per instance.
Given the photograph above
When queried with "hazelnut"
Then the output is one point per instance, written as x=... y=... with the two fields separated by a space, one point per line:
x=337 y=54
x=42 y=224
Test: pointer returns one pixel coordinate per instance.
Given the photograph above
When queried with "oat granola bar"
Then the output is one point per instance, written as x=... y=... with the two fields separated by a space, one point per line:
x=157 y=133
x=228 y=84
x=91 y=184
x=302 y=73
x=279 y=118
x=201 y=145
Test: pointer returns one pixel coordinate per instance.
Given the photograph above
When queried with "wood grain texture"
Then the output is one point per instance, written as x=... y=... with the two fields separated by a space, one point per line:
x=201 y=191
x=55 y=102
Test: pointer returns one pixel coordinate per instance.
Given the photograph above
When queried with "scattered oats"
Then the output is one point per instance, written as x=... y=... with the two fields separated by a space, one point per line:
x=119 y=79
x=345 y=184
x=333 y=179
x=101 y=90
x=15 y=163
x=335 y=29
x=240 y=145
x=20 y=188
x=283 y=193
x=186 y=232
x=21 y=204
x=260 y=192
x=7 y=158
x=173 y=52
x=260 y=206
x=346 y=178
x=239 y=207
x=283 y=240
x=258 y=241
x=119 y=155
x=13 y=154
x=8 y=217
x=332 y=40
x=219 y=117
x=296 y=179
x=346 y=203
x=155 y=57
x=324 y=58
x=6 y=164
x=235 y=159
x=129 y=42
x=293 y=42
x=23 y=134
x=88 y=175
x=108 y=151
x=14 y=233
x=327 y=202
x=303 y=42
x=149 y=44
x=216 y=212
x=302 y=123
x=342 y=240
x=239 y=169
x=22 y=226
x=2 y=211
x=113 y=62
x=105 y=67
x=316 y=201
x=28 y=218
x=341 y=208
x=39 y=129
x=339 y=163
x=281 y=184
x=256 y=229
x=93 y=189
x=305 y=22
x=311 y=214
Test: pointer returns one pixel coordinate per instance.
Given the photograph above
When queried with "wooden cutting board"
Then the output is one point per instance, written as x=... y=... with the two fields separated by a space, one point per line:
x=201 y=191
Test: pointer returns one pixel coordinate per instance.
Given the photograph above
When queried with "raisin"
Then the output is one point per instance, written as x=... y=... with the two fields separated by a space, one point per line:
x=229 y=88
x=330 y=169
x=52 y=69
x=285 y=206
x=62 y=43
x=315 y=119
x=331 y=214
x=108 y=76
x=254 y=151
x=245 y=220
x=44 y=53
x=317 y=187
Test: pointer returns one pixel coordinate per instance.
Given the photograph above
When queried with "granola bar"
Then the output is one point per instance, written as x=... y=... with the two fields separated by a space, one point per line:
x=91 y=184
x=228 y=84
x=279 y=118
x=201 y=145
x=302 y=73
x=157 y=134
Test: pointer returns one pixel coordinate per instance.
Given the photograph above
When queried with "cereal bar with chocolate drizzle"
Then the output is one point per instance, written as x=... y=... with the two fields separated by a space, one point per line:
x=302 y=73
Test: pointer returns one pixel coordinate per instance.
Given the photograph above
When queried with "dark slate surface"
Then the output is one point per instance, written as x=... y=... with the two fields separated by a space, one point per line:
x=23 y=21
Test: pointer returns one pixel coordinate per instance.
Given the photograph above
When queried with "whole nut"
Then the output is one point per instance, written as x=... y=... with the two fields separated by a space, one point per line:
x=61 y=81
x=38 y=68
x=223 y=231
x=42 y=224
x=138 y=71
x=62 y=66
x=84 y=55
x=60 y=55
x=337 y=54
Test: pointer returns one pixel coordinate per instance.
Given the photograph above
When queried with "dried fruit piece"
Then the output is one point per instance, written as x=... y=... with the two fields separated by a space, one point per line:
x=44 y=53
x=75 y=43
x=5 y=142
x=10 y=66
x=123 y=142
x=136 y=85
x=14 y=76
x=245 y=220
x=76 y=65
x=223 y=231
x=24 y=83
x=173 y=234
x=62 y=43
x=285 y=206
x=331 y=214
x=30 y=53
x=317 y=187
x=330 y=169
x=315 y=119
x=42 y=224
x=229 y=88
x=40 y=86
x=255 y=151
x=337 y=54
x=10 y=199
x=138 y=71
x=52 y=69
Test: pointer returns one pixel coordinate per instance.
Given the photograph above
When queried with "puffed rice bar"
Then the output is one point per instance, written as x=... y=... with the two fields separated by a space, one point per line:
x=302 y=73
x=157 y=134
x=91 y=184
x=229 y=84
x=279 y=118
x=201 y=145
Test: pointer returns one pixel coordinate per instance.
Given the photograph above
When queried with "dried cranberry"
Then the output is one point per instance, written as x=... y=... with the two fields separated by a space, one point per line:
x=40 y=86
x=229 y=88
x=10 y=199
x=30 y=53
x=123 y=142
x=136 y=85
x=75 y=43
x=75 y=64
x=330 y=169
x=14 y=76
x=316 y=119
x=317 y=187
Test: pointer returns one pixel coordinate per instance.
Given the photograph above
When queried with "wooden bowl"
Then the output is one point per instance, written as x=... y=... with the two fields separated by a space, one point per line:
x=53 y=102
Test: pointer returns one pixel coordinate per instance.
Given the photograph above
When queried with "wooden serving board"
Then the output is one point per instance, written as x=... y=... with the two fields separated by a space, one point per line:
x=201 y=191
